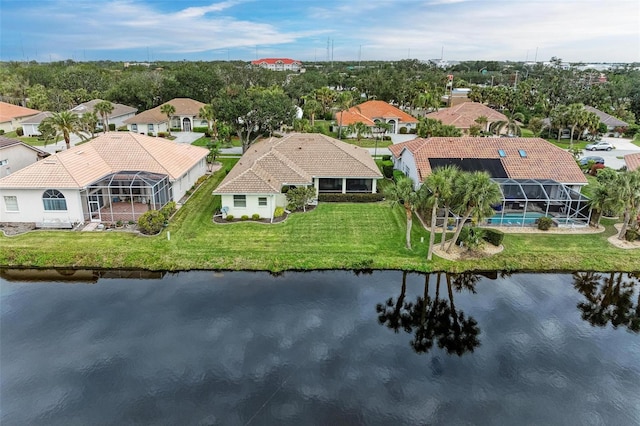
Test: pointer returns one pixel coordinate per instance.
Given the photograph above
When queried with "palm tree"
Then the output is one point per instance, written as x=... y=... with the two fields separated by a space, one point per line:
x=326 y=97
x=450 y=175
x=627 y=191
x=64 y=123
x=482 y=121
x=475 y=194
x=403 y=192
x=89 y=120
x=207 y=113
x=168 y=110
x=344 y=102
x=510 y=124
x=439 y=185
x=311 y=107
x=559 y=118
x=104 y=108
x=359 y=128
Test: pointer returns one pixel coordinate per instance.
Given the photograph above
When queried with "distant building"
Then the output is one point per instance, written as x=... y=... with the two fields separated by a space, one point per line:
x=16 y=155
x=116 y=117
x=11 y=116
x=278 y=64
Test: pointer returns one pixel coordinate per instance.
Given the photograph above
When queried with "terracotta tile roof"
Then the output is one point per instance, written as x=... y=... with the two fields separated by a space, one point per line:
x=295 y=160
x=605 y=118
x=274 y=61
x=632 y=161
x=367 y=112
x=9 y=112
x=465 y=114
x=183 y=106
x=7 y=142
x=37 y=119
x=108 y=153
x=543 y=160
x=118 y=109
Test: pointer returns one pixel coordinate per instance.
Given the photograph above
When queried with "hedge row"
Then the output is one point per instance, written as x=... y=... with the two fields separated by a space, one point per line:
x=350 y=198
x=493 y=236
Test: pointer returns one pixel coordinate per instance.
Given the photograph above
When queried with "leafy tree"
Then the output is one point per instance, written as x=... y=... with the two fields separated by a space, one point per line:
x=403 y=192
x=429 y=127
x=214 y=151
x=344 y=102
x=89 y=120
x=359 y=128
x=64 y=123
x=510 y=124
x=104 y=108
x=438 y=186
x=474 y=195
x=47 y=132
x=207 y=113
x=311 y=107
x=627 y=193
x=299 y=197
x=168 y=110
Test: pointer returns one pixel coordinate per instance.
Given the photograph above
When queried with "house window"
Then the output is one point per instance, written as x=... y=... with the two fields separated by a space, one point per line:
x=330 y=185
x=239 y=201
x=262 y=201
x=4 y=162
x=54 y=200
x=150 y=127
x=11 y=203
x=134 y=127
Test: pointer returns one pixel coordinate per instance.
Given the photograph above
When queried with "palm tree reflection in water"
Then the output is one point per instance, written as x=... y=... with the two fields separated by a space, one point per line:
x=434 y=320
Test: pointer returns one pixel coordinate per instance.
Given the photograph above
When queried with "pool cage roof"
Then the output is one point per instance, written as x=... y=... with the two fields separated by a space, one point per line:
x=131 y=179
x=537 y=190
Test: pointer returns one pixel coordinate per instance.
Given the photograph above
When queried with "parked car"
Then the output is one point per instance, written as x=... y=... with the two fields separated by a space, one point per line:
x=599 y=146
x=597 y=160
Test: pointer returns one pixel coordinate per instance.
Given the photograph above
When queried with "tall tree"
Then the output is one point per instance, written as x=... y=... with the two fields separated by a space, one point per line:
x=104 y=108
x=64 y=123
x=89 y=120
x=510 y=124
x=627 y=191
x=168 y=110
x=402 y=192
x=343 y=103
x=439 y=186
x=311 y=107
x=474 y=195
x=207 y=113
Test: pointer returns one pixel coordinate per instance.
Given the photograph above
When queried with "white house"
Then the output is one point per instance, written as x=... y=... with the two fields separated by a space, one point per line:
x=255 y=184
x=116 y=176
x=117 y=117
x=152 y=121
x=16 y=155
x=30 y=124
x=278 y=64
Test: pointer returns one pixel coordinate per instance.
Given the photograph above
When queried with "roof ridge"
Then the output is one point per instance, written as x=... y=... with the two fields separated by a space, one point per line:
x=343 y=147
x=135 y=137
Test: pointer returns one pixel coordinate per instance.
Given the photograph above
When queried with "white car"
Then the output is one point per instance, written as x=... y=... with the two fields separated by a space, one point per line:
x=599 y=146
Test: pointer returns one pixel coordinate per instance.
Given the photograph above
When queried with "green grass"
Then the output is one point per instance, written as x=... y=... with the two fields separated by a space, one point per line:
x=526 y=133
x=33 y=141
x=368 y=143
x=203 y=141
x=333 y=236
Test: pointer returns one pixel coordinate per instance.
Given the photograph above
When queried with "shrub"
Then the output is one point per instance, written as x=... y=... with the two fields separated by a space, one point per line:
x=387 y=169
x=278 y=212
x=285 y=189
x=19 y=131
x=200 y=129
x=397 y=175
x=151 y=222
x=1 y=131
x=168 y=210
x=176 y=129
x=201 y=179
x=471 y=237
x=493 y=236
x=299 y=197
x=403 y=130
x=149 y=133
x=112 y=127
x=350 y=198
x=123 y=129
x=119 y=223
x=413 y=131
x=244 y=217
x=631 y=235
x=255 y=216
x=386 y=138
x=544 y=223
x=386 y=158
x=229 y=217
x=162 y=134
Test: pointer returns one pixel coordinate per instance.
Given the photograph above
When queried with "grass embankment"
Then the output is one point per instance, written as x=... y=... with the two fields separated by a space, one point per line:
x=333 y=236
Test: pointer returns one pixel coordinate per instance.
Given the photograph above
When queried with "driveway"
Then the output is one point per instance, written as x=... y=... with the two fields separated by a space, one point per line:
x=186 y=137
x=622 y=148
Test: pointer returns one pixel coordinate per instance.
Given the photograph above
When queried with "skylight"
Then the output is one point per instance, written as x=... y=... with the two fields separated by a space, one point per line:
x=523 y=153
x=502 y=153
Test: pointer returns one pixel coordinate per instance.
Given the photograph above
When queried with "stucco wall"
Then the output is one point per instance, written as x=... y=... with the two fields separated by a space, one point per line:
x=273 y=201
x=186 y=181
x=31 y=207
x=18 y=156
x=407 y=165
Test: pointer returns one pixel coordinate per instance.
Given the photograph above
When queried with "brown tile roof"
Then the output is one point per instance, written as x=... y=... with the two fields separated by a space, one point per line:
x=118 y=109
x=183 y=106
x=367 y=112
x=465 y=114
x=543 y=161
x=605 y=118
x=296 y=159
x=108 y=153
x=7 y=142
x=9 y=112
x=632 y=161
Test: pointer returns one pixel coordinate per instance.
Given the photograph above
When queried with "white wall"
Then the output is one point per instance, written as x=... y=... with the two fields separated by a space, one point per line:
x=143 y=128
x=186 y=181
x=18 y=156
x=407 y=161
x=31 y=207
x=273 y=201
x=30 y=129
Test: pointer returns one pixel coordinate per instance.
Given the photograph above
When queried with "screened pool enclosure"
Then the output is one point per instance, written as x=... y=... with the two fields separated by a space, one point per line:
x=125 y=196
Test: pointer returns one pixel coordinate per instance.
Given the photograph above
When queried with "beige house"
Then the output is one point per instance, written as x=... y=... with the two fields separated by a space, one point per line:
x=117 y=117
x=116 y=176
x=255 y=184
x=152 y=121
x=464 y=115
x=373 y=112
x=16 y=155
x=11 y=116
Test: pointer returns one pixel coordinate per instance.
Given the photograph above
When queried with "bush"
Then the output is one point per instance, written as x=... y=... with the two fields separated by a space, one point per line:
x=19 y=131
x=403 y=130
x=387 y=169
x=168 y=210
x=397 y=175
x=413 y=131
x=1 y=131
x=631 y=235
x=350 y=198
x=112 y=127
x=151 y=222
x=176 y=129
x=149 y=133
x=200 y=129
x=493 y=236
x=162 y=134
x=285 y=189
x=386 y=138
x=471 y=237
x=544 y=223
x=279 y=211
x=229 y=217
x=255 y=216
x=123 y=129
x=244 y=217
x=386 y=158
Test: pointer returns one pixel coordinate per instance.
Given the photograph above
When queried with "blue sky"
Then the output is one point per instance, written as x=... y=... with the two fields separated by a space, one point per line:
x=140 y=30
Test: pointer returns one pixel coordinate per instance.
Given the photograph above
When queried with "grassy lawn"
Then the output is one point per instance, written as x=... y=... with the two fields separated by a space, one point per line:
x=368 y=143
x=349 y=236
x=33 y=141
x=203 y=141
x=526 y=133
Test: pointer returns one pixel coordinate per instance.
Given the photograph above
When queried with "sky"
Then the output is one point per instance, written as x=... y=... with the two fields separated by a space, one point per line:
x=314 y=30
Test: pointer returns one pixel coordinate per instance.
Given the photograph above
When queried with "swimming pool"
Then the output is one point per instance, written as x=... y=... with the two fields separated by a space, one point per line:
x=514 y=219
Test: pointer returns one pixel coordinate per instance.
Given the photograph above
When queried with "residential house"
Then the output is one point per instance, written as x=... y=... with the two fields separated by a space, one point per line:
x=278 y=64
x=116 y=176
x=632 y=161
x=11 y=116
x=610 y=121
x=465 y=114
x=536 y=177
x=374 y=112
x=153 y=121
x=15 y=155
x=255 y=184
x=117 y=117
x=30 y=124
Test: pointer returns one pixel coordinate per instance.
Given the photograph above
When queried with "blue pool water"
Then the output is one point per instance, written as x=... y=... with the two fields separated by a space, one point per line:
x=514 y=219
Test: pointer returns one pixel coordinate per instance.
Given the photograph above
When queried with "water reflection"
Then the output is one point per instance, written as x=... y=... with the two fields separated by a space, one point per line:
x=77 y=276
x=612 y=298
x=434 y=319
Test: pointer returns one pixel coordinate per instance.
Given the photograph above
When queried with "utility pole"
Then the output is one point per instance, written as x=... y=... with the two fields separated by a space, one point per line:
x=515 y=82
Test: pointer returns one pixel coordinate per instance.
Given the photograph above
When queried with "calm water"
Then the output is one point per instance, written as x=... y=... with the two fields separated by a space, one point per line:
x=205 y=348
